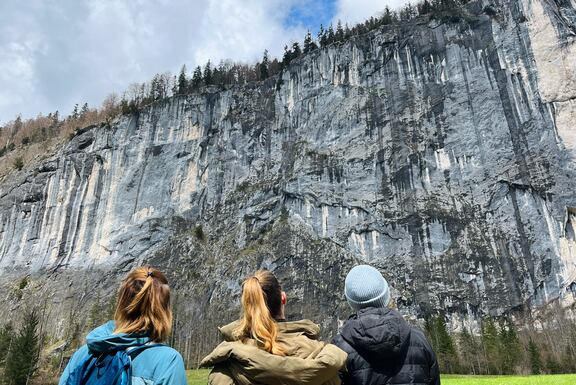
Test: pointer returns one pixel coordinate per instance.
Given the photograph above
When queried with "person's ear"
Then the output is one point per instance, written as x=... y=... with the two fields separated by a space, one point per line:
x=283 y=298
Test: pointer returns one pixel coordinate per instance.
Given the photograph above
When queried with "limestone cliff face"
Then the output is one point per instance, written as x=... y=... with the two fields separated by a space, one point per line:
x=444 y=154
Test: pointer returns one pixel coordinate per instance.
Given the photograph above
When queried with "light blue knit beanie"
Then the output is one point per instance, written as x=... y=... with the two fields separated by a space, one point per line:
x=366 y=287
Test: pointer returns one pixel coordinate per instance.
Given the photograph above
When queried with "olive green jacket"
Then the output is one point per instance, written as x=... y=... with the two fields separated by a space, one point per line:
x=307 y=360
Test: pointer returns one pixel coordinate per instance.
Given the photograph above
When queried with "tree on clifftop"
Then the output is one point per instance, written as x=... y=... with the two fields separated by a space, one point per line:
x=197 y=77
x=309 y=44
x=263 y=67
x=182 y=80
x=207 y=77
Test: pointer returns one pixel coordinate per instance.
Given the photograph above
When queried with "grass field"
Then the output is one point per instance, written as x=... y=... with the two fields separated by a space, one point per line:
x=198 y=377
x=556 y=379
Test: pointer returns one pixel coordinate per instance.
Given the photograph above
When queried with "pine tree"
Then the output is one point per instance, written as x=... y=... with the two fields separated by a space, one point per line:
x=330 y=35
x=491 y=345
x=84 y=110
x=424 y=8
x=445 y=346
x=197 y=77
x=469 y=348
x=322 y=37
x=207 y=76
x=74 y=114
x=296 y=51
x=347 y=32
x=309 y=44
x=339 y=36
x=287 y=57
x=6 y=336
x=388 y=16
x=182 y=80
x=263 y=67
x=511 y=350
x=535 y=360
x=23 y=354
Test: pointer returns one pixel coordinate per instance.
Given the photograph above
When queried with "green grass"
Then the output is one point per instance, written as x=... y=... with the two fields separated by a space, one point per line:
x=557 y=379
x=199 y=377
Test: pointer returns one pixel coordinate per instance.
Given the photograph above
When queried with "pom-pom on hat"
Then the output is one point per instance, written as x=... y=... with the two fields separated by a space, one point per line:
x=366 y=287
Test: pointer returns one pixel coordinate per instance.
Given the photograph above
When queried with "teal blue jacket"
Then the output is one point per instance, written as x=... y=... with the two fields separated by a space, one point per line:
x=157 y=365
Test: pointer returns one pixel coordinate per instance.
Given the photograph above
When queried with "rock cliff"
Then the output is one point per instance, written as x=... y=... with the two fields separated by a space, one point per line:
x=443 y=153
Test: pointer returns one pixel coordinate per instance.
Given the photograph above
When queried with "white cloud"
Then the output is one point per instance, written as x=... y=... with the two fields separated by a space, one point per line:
x=354 y=11
x=242 y=30
x=58 y=53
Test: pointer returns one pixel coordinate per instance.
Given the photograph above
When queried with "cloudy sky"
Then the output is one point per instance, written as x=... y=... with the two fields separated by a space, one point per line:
x=55 y=53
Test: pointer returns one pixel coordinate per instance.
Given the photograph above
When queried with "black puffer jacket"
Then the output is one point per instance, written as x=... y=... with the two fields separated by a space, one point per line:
x=384 y=349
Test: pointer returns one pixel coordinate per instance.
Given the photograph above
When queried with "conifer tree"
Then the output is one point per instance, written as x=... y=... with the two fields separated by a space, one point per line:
x=263 y=67
x=339 y=36
x=347 y=31
x=511 y=350
x=491 y=345
x=322 y=36
x=446 y=351
x=309 y=44
x=287 y=57
x=330 y=35
x=296 y=51
x=207 y=76
x=469 y=349
x=535 y=360
x=425 y=7
x=84 y=110
x=197 y=77
x=6 y=336
x=387 y=16
x=74 y=114
x=21 y=359
x=182 y=80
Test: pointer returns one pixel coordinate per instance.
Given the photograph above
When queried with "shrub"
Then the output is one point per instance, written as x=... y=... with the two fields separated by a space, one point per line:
x=18 y=163
x=199 y=233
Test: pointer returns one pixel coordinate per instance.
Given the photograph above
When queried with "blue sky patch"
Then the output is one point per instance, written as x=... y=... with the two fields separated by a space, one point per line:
x=311 y=13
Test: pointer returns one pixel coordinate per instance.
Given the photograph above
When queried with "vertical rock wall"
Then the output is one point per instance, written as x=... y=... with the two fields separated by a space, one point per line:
x=443 y=153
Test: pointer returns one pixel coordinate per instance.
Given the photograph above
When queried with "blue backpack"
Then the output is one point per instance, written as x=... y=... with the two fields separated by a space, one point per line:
x=110 y=368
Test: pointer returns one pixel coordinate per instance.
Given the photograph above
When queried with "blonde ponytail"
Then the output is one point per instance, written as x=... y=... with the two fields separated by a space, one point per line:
x=144 y=304
x=257 y=321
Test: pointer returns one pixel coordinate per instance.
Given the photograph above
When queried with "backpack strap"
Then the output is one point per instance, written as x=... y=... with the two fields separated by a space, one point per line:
x=134 y=351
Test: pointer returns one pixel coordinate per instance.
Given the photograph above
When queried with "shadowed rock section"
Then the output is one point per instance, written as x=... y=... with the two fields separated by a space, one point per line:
x=442 y=153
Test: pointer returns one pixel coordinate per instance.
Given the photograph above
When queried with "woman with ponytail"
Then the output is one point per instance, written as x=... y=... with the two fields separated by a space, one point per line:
x=130 y=348
x=263 y=348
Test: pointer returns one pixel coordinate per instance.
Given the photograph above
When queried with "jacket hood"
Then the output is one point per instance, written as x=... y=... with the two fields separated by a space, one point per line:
x=293 y=328
x=378 y=334
x=103 y=340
